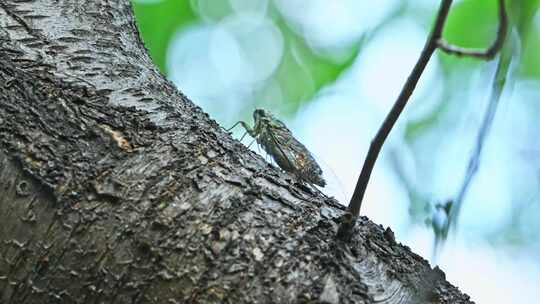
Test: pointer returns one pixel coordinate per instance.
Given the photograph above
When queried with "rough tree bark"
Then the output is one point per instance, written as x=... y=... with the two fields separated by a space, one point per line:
x=115 y=188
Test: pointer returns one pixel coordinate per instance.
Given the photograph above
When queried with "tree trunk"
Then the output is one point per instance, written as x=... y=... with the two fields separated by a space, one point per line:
x=118 y=189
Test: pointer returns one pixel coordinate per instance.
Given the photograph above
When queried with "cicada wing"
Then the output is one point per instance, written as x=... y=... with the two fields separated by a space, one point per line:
x=275 y=145
x=297 y=156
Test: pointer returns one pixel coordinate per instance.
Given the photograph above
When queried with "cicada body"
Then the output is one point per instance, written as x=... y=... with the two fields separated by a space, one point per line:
x=278 y=141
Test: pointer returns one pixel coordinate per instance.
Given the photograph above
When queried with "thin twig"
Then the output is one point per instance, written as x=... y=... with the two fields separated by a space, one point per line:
x=502 y=74
x=503 y=80
x=488 y=53
x=432 y=43
x=376 y=144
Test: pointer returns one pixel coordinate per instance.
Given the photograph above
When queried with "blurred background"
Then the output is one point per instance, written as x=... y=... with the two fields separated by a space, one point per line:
x=331 y=70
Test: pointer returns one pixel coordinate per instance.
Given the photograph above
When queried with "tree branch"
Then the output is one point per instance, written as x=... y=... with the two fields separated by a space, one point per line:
x=433 y=42
x=502 y=75
x=376 y=144
x=488 y=53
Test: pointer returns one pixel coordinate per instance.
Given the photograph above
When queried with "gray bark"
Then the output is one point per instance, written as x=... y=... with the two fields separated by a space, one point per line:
x=115 y=188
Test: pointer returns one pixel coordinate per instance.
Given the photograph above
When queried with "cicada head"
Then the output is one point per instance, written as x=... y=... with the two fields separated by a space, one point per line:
x=262 y=118
x=260 y=115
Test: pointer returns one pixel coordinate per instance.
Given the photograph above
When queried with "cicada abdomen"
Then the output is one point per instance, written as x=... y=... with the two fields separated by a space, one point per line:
x=278 y=141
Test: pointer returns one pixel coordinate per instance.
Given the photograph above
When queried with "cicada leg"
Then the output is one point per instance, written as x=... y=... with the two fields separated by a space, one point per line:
x=248 y=129
x=243 y=135
x=236 y=124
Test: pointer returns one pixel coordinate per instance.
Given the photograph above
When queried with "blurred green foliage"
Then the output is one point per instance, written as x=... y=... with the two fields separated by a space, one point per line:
x=158 y=22
x=472 y=23
x=303 y=71
x=530 y=65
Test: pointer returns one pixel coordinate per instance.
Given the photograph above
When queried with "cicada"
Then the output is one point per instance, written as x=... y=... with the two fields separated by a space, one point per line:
x=278 y=141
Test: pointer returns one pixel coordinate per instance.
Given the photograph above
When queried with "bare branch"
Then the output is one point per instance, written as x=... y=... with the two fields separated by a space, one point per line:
x=433 y=42
x=488 y=53
x=376 y=144
x=503 y=80
x=503 y=75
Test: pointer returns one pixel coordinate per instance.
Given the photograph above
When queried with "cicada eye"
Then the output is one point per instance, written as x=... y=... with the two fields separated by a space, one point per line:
x=258 y=114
